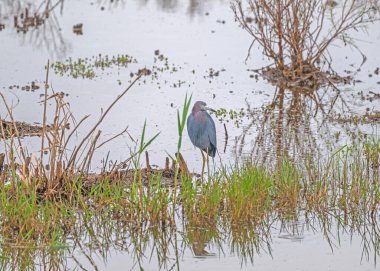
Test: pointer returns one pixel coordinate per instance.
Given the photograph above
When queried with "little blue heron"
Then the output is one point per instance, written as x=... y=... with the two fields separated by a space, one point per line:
x=201 y=130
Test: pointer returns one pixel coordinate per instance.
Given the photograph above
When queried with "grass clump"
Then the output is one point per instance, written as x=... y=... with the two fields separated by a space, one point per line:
x=235 y=205
x=249 y=193
x=45 y=214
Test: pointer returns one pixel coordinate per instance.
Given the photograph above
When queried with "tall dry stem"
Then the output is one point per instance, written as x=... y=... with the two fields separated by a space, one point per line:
x=62 y=164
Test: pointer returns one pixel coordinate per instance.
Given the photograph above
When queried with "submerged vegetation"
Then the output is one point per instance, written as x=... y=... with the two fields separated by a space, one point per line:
x=88 y=67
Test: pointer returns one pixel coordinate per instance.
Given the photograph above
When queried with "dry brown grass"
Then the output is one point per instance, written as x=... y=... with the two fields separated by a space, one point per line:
x=64 y=165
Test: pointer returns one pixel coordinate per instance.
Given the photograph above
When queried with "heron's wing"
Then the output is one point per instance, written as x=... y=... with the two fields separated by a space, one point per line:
x=211 y=130
x=202 y=133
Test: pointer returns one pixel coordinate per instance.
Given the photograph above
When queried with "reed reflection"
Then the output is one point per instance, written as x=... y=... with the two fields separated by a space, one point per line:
x=296 y=125
x=193 y=7
x=92 y=241
x=37 y=23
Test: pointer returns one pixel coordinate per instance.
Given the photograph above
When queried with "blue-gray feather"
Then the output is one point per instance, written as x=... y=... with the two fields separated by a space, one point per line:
x=201 y=130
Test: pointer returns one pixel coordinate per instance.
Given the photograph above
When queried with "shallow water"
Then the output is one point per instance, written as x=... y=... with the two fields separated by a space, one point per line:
x=193 y=42
x=195 y=36
x=276 y=244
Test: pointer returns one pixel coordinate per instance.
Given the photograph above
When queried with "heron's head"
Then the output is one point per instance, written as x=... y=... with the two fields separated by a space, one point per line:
x=201 y=106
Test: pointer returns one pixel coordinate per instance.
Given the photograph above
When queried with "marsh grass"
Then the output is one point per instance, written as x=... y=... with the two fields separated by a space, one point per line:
x=236 y=204
x=48 y=214
x=65 y=162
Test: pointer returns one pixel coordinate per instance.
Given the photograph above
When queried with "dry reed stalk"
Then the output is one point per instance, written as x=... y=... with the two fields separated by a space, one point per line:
x=14 y=126
x=46 y=86
x=166 y=164
x=87 y=160
x=183 y=166
x=62 y=165
x=75 y=153
x=112 y=138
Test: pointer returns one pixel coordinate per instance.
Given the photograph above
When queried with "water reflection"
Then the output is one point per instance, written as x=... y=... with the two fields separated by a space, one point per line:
x=36 y=23
x=193 y=7
x=199 y=239
x=297 y=124
x=93 y=241
x=111 y=4
x=288 y=127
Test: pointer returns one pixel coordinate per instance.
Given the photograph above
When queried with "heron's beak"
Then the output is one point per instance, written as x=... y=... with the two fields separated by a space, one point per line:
x=210 y=109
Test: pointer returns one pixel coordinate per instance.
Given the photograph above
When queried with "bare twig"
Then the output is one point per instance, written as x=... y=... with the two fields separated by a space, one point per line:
x=112 y=138
x=79 y=147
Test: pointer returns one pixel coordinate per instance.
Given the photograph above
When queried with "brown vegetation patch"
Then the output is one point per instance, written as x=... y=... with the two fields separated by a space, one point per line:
x=368 y=117
x=126 y=175
x=311 y=77
x=24 y=22
x=20 y=129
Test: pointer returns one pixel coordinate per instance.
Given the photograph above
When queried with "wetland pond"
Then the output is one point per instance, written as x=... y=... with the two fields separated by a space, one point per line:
x=95 y=50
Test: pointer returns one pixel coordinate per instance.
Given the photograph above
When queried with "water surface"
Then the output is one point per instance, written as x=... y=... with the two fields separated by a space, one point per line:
x=203 y=53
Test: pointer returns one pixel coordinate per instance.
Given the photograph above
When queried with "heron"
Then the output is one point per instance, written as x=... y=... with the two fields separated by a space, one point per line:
x=201 y=130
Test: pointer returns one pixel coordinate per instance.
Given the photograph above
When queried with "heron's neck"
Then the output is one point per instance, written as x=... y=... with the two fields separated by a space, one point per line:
x=195 y=110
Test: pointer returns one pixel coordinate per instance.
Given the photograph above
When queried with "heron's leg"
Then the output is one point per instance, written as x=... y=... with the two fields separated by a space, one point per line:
x=203 y=164
x=208 y=166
